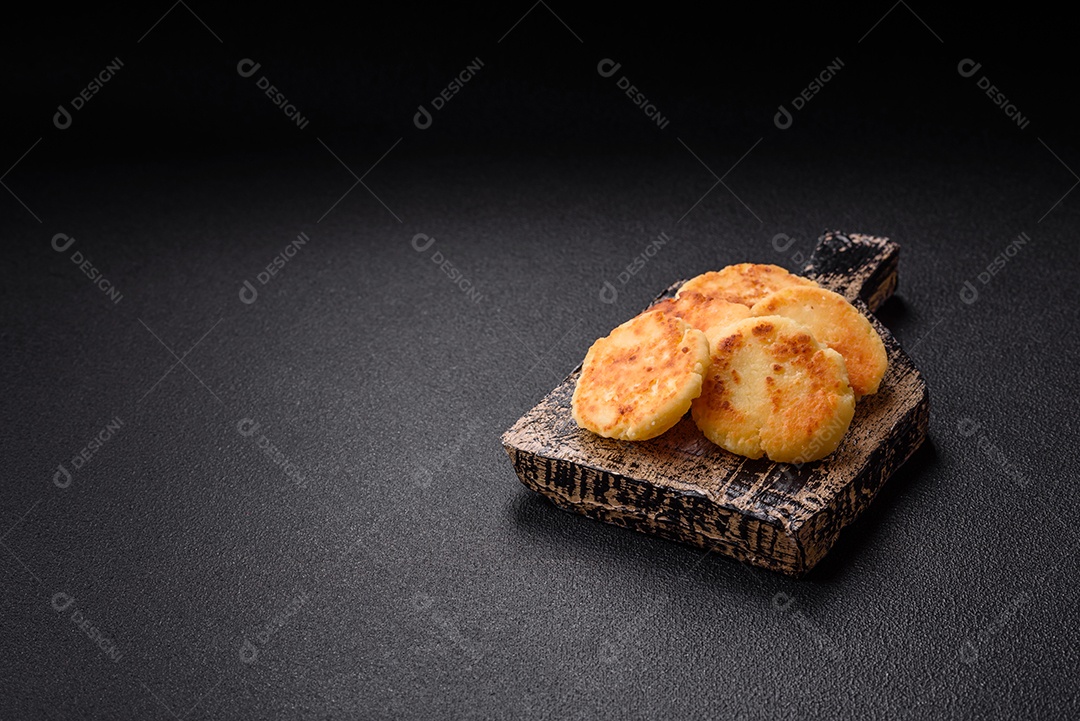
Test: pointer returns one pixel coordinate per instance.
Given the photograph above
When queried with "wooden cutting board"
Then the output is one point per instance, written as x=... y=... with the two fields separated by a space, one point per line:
x=682 y=487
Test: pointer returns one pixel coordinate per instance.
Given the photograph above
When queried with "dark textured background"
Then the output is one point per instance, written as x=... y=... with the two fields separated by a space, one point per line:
x=413 y=576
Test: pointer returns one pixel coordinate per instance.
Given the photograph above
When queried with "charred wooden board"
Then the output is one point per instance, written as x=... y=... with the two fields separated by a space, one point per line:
x=680 y=486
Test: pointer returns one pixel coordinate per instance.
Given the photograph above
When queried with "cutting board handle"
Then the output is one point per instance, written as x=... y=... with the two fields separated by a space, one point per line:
x=857 y=266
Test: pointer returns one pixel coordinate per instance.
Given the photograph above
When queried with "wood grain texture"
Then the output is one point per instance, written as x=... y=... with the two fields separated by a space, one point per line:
x=682 y=487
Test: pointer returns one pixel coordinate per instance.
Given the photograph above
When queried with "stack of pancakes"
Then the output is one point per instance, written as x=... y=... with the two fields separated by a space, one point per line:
x=768 y=363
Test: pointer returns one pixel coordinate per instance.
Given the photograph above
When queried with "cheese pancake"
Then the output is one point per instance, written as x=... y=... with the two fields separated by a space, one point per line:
x=638 y=381
x=839 y=325
x=703 y=311
x=771 y=389
x=745 y=283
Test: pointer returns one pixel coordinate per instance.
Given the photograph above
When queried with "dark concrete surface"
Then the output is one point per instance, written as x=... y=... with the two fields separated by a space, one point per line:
x=302 y=509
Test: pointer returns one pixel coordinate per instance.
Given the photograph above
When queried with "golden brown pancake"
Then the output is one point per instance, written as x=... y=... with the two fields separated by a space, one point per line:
x=702 y=311
x=745 y=283
x=772 y=389
x=639 y=380
x=839 y=325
